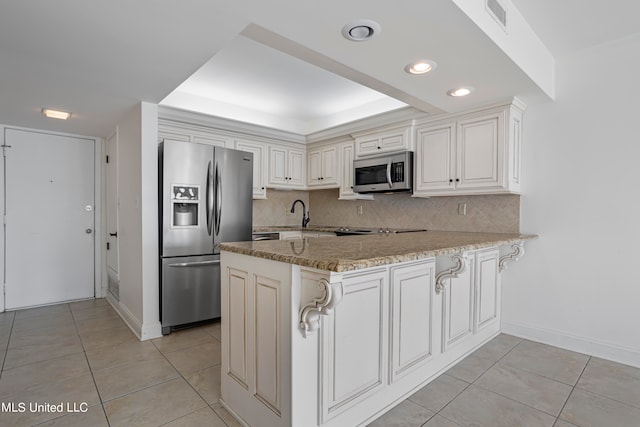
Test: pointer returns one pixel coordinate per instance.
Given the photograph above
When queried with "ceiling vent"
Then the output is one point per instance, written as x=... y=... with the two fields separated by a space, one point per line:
x=498 y=12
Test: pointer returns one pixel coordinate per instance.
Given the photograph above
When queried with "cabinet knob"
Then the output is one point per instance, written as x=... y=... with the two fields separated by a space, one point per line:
x=457 y=179
x=450 y=180
x=378 y=147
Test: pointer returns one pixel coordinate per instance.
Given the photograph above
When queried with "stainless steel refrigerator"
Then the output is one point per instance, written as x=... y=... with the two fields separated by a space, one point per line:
x=205 y=199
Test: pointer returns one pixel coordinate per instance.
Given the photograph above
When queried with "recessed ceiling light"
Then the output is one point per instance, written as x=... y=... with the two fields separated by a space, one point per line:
x=55 y=114
x=360 y=30
x=420 y=67
x=461 y=91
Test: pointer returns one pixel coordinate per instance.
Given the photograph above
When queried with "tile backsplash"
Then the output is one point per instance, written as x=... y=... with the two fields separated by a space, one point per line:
x=490 y=213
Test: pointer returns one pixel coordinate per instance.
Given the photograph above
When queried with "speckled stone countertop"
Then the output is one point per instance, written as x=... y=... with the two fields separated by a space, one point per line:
x=356 y=252
x=281 y=228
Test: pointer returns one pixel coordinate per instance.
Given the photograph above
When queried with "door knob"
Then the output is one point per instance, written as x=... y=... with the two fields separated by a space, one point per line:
x=88 y=231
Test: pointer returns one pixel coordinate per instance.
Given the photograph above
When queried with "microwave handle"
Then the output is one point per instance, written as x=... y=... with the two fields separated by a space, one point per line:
x=389 y=174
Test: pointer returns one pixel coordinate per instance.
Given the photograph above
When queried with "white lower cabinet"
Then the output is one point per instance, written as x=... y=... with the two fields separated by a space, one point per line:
x=353 y=345
x=471 y=300
x=309 y=347
x=411 y=326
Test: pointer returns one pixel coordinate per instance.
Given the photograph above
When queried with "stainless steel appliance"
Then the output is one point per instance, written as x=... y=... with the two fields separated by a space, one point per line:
x=346 y=231
x=384 y=174
x=205 y=199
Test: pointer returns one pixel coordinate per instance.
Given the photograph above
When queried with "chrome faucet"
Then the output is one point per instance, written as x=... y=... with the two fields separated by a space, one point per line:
x=305 y=214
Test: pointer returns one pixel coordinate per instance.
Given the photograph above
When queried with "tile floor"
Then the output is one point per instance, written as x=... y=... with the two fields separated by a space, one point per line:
x=82 y=353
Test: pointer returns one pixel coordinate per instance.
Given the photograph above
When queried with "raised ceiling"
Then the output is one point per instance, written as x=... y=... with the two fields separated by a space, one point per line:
x=99 y=59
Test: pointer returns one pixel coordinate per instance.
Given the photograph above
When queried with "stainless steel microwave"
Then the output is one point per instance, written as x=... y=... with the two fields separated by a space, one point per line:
x=385 y=173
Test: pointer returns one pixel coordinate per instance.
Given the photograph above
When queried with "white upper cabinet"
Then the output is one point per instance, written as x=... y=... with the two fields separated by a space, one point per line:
x=259 y=151
x=475 y=153
x=322 y=167
x=347 y=153
x=384 y=140
x=286 y=167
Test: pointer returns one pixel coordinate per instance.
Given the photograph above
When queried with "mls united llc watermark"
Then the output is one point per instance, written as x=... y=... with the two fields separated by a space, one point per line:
x=22 y=407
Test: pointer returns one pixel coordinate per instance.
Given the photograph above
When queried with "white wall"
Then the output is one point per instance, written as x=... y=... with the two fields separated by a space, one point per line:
x=578 y=286
x=137 y=221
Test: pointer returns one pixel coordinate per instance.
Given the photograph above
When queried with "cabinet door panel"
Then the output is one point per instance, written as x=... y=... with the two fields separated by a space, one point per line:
x=487 y=278
x=296 y=168
x=353 y=354
x=457 y=309
x=237 y=324
x=267 y=342
x=329 y=166
x=478 y=153
x=435 y=151
x=259 y=166
x=277 y=166
x=411 y=316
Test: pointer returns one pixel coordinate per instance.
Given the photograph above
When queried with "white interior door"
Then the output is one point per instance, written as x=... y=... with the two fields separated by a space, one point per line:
x=49 y=189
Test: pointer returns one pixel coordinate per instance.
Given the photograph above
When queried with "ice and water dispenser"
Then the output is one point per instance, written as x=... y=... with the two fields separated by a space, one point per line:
x=184 y=205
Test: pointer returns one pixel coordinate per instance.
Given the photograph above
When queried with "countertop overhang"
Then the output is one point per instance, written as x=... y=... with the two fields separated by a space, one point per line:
x=349 y=253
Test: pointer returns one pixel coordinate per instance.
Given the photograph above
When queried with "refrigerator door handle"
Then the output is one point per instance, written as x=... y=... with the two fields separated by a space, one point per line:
x=209 y=200
x=194 y=264
x=218 y=201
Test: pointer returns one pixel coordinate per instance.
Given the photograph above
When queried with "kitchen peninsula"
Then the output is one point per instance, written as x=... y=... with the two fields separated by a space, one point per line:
x=334 y=331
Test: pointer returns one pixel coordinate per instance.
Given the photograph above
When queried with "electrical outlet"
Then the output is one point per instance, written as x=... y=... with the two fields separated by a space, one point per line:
x=359 y=210
x=462 y=208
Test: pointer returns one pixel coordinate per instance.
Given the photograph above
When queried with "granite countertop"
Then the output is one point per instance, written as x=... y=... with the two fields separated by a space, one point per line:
x=282 y=228
x=356 y=252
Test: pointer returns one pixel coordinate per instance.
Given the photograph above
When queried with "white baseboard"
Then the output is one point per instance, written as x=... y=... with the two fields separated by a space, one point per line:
x=604 y=350
x=143 y=332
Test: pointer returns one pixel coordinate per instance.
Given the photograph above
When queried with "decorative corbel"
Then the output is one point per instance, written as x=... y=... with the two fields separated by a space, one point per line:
x=310 y=314
x=451 y=273
x=518 y=251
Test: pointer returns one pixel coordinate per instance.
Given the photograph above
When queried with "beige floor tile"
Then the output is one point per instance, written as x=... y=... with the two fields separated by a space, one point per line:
x=207 y=383
x=614 y=380
x=44 y=335
x=560 y=423
x=182 y=339
x=481 y=408
x=586 y=409
x=28 y=354
x=406 y=414
x=196 y=358
x=88 y=304
x=435 y=395
x=124 y=379
x=55 y=320
x=94 y=417
x=27 y=377
x=551 y=362
x=225 y=415
x=73 y=391
x=101 y=340
x=104 y=311
x=89 y=326
x=121 y=354
x=525 y=387
x=498 y=347
x=42 y=311
x=471 y=367
x=154 y=406
x=213 y=329
x=201 y=417
x=440 y=421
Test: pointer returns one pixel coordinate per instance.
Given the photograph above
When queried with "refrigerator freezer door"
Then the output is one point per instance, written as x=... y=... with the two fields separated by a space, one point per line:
x=190 y=289
x=233 y=189
x=187 y=204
